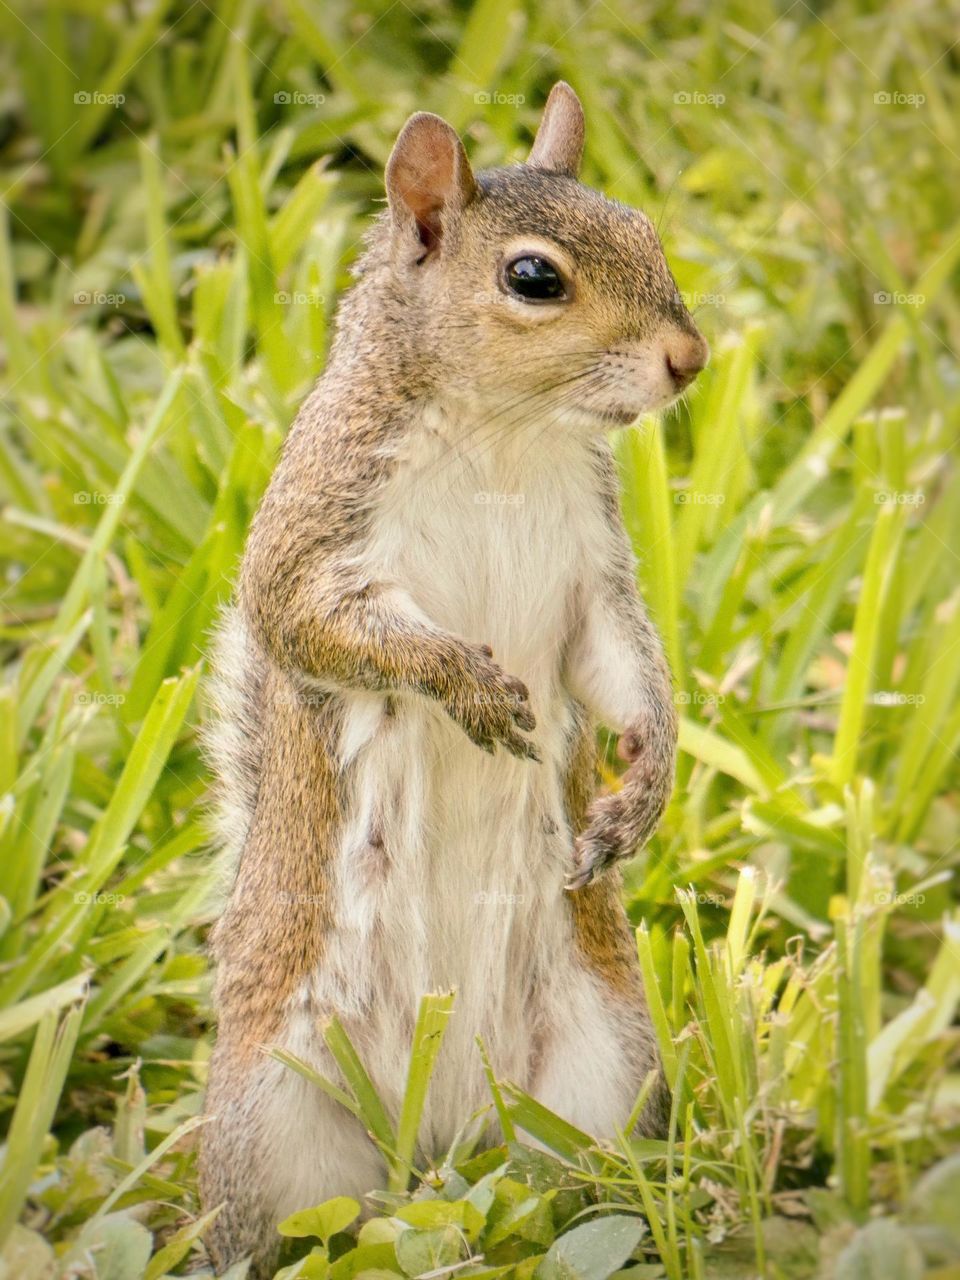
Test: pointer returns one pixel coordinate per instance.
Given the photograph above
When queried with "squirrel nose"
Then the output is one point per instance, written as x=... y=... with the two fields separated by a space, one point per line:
x=685 y=354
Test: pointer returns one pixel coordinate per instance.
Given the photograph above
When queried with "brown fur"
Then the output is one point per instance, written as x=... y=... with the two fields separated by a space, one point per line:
x=269 y=938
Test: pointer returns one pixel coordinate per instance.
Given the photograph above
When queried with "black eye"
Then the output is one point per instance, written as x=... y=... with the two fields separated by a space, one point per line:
x=535 y=280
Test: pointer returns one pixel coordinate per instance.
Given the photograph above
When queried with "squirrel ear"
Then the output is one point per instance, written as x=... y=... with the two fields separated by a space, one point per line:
x=558 y=145
x=427 y=174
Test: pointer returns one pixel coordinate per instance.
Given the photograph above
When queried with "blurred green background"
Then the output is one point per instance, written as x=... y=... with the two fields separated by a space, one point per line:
x=184 y=188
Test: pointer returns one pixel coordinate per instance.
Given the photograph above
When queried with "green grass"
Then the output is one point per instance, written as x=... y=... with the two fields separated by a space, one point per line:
x=169 y=264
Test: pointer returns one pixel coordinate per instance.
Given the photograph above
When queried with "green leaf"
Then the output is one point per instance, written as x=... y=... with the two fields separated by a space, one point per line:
x=120 y=1245
x=935 y=1198
x=428 y=1033
x=880 y=1251
x=27 y=1013
x=594 y=1251
x=36 y=1104
x=441 y=1213
x=807 y=469
x=178 y=1246
x=524 y=1214
x=369 y=1107
x=74 y=602
x=423 y=1251
x=106 y=845
x=323 y=1221
x=718 y=753
x=367 y=1259
x=792 y=1246
x=135 y=1174
x=26 y=1256
x=545 y=1125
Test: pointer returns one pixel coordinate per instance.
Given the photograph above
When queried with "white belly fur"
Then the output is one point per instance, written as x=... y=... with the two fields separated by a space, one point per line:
x=466 y=890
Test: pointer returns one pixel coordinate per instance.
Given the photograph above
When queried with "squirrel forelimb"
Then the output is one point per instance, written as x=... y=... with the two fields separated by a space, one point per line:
x=618 y=669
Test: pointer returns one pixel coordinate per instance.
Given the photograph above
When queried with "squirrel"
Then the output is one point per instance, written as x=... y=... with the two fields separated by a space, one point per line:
x=436 y=607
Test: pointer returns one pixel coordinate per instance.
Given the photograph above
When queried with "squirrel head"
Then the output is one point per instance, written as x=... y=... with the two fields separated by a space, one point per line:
x=521 y=283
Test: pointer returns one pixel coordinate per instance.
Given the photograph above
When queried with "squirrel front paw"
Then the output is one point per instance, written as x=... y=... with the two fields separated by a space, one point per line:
x=492 y=706
x=619 y=825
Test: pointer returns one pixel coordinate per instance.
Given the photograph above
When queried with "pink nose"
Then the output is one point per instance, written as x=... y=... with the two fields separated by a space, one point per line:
x=685 y=354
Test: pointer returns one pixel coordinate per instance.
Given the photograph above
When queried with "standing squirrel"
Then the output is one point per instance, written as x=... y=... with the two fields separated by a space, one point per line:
x=436 y=606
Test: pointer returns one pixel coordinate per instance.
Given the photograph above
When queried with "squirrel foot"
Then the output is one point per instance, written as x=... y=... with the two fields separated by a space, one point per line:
x=619 y=825
x=493 y=707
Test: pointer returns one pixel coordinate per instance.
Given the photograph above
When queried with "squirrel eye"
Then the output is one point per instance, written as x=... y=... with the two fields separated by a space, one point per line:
x=534 y=280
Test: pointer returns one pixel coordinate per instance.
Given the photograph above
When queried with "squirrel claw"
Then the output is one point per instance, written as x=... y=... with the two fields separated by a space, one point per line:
x=580 y=878
x=592 y=856
x=524 y=719
x=517 y=688
x=521 y=748
x=588 y=867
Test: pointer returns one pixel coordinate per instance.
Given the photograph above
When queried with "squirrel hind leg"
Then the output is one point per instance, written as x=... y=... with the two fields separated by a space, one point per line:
x=273 y=1144
x=596 y=1057
x=233 y=1150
